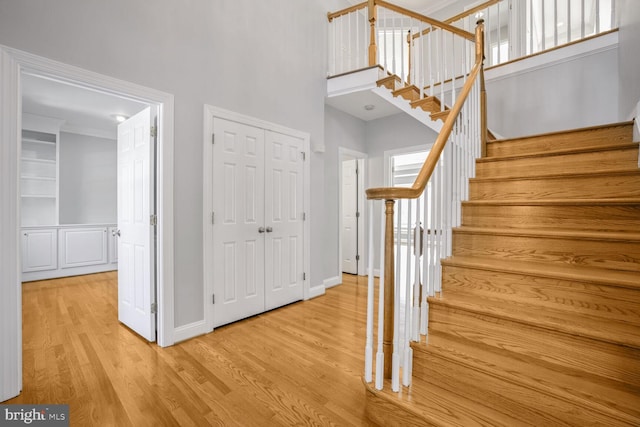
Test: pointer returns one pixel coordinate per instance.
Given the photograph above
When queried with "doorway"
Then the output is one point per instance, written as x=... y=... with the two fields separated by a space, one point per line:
x=351 y=210
x=14 y=64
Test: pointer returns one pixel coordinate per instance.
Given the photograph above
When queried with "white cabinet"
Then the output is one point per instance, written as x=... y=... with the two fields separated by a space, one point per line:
x=39 y=250
x=67 y=250
x=83 y=246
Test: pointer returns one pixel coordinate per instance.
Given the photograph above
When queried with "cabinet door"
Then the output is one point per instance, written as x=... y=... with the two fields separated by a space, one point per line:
x=83 y=246
x=39 y=250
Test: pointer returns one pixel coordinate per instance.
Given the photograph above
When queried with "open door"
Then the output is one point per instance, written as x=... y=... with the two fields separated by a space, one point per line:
x=350 y=216
x=136 y=225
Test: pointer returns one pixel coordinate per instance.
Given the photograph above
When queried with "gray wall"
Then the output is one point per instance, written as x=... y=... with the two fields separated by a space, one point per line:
x=263 y=59
x=346 y=131
x=569 y=94
x=88 y=179
x=629 y=60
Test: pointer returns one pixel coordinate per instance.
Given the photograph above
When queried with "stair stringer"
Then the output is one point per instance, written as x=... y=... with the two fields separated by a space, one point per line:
x=405 y=106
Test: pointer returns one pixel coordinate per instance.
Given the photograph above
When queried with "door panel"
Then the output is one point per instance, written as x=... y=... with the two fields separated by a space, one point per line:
x=136 y=267
x=284 y=210
x=238 y=201
x=349 y=219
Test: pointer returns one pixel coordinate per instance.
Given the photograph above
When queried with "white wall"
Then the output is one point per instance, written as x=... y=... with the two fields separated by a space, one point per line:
x=579 y=92
x=346 y=131
x=263 y=59
x=629 y=60
x=88 y=179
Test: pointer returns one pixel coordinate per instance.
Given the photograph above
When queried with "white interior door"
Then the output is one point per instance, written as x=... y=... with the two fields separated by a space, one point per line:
x=284 y=219
x=136 y=249
x=349 y=218
x=238 y=229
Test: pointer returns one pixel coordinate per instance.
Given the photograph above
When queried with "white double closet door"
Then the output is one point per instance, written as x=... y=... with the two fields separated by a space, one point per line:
x=258 y=220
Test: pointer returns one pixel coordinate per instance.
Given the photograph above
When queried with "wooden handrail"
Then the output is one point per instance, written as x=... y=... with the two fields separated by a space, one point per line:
x=434 y=22
x=460 y=16
x=346 y=11
x=471 y=11
x=413 y=192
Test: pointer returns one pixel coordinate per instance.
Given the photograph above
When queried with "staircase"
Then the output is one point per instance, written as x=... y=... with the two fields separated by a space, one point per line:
x=538 y=322
x=411 y=93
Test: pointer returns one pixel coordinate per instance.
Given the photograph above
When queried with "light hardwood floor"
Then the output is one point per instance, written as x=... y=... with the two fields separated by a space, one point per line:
x=298 y=365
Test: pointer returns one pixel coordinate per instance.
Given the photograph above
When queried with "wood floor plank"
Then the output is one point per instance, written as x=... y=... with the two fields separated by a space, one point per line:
x=298 y=365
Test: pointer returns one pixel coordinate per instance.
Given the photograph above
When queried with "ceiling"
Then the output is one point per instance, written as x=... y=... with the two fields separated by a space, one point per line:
x=81 y=108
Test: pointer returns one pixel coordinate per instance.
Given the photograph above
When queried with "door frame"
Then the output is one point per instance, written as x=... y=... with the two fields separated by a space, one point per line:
x=12 y=63
x=210 y=112
x=361 y=159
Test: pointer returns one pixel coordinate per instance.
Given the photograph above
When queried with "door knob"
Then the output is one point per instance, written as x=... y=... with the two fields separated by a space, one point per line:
x=261 y=230
x=115 y=233
x=269 y=229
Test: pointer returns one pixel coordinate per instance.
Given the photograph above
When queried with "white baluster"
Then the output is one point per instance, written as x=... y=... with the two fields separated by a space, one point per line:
x=380 y=352
x=407 y=352
x=368 y=352
x=424 y=306
x=395 y=357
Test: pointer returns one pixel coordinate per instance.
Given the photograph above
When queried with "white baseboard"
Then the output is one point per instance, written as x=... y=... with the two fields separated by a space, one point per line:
x=190 y=330
x=316 y=291
x=332 y=281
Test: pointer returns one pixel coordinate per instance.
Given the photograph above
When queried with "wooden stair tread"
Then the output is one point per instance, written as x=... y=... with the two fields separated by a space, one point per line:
x=551 y=153
x=584 y=325
x=562 y=176
x=563 y=133
x=630 y=201
x=628 y=279
x=605 y=359
x=419 y=405
x=553 y=233
x=570 y=296
x=610 y=398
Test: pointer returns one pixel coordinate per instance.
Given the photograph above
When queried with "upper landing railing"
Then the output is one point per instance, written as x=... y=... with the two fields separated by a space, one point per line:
x=380 y=33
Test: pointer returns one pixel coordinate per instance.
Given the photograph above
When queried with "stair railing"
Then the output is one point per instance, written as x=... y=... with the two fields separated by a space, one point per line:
x=518 y=28
x=414 y=242
x=375 y=33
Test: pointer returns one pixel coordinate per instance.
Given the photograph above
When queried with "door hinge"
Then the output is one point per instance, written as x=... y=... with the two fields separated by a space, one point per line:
x=213 y=217
x=357 y=214
x=153 y=131
x=357 y=257
x=154 y=308
x=153 y=219
x=213 y=298
x=304 y=216
x=213 y=138
x=304 y=276
x=304 y=156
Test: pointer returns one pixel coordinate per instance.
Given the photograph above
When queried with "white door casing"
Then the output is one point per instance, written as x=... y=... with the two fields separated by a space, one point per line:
x=136 y=242
x=239 y=236
x=283 y=219
x=349 y=218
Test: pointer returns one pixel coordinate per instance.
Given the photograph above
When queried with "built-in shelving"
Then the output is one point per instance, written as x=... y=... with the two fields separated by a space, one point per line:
x=39 y=175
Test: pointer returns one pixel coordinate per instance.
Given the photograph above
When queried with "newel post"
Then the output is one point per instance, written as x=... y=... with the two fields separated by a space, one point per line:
x=483 y=91
x=389 y=288
x=373 y=49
